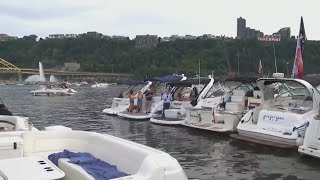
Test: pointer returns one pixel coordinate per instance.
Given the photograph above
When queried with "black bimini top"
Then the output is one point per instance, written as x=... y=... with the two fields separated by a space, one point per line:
x=190 y=82
x=313 y=79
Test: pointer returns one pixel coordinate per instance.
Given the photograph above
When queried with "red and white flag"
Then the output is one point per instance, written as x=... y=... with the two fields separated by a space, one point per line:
x=298 y=60
x=260 y=70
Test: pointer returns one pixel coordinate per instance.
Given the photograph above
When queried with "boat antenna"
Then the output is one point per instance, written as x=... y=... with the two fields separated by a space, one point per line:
x=275 y=58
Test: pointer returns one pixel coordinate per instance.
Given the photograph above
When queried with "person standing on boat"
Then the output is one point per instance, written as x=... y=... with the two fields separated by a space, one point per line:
x=149 y=96
x=139 y=102
x=131 y=100
x=167 y=98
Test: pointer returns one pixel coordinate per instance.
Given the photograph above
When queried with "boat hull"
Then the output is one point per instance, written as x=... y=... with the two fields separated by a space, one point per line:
x=309 y=151
x=166 y=121
x=135 y=116
x=266 y=139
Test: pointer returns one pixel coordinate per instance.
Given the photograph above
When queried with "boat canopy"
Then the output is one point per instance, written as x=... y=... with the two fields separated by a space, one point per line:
x=189 y=82
x=169 y=78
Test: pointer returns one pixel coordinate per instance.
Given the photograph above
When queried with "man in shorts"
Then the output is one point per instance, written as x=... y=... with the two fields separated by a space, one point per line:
x=149 y=96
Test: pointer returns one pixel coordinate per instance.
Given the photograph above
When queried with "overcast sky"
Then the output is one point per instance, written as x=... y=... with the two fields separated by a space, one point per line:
x=160 y=17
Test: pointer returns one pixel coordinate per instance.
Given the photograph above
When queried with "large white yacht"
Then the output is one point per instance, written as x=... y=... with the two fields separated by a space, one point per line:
x=289 y=105
x=121 y=103
x=184 y=94
x=158 y=88
x=59 y=152
x=224 y=105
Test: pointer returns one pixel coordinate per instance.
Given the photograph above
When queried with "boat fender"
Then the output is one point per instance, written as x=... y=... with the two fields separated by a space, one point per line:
x=299 y=141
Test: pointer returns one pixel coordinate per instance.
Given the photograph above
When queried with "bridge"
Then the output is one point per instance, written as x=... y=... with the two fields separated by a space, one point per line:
x=7 y=67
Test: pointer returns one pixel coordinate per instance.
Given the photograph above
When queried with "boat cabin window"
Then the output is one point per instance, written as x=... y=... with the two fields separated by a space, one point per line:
x=287 y=96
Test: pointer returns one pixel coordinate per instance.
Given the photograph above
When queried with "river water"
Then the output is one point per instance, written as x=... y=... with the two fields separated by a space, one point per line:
x=203 y=155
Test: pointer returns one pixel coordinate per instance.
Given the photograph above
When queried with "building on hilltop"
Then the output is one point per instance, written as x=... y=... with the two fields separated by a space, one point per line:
x=56 y=36
x=6 y=37
x=241 y=28
x=94 y=34
x=244 y=32
x=284 y=33
x=119 y=37
x=71 y=35
x=146 y=40
x=71 y=66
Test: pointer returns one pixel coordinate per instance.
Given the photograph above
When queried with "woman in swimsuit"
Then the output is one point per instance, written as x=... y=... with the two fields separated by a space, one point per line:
x=131 y=100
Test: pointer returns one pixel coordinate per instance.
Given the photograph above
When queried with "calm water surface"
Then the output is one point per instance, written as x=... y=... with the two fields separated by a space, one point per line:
x=203 y=155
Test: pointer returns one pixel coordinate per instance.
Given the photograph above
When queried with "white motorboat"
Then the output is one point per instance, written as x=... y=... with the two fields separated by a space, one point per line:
x=60 y=153
x=52 y=91
x=121 y=103
x=311 y=144
x=158 y=83
x=182 y=100
x=223 y=105
x=289 y=105
x=100 y=85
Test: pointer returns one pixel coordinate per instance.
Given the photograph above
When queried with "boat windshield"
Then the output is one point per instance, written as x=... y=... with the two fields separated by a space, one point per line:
x=234 y=85
x=215 y=91
x=287 y=96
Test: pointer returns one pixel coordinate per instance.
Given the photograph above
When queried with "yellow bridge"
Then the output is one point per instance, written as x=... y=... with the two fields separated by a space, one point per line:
x=7 y=67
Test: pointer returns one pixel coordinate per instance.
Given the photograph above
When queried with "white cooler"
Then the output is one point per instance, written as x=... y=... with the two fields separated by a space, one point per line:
x=11 y=147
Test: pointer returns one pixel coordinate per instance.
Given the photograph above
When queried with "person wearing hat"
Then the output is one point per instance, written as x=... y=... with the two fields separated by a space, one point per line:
x=149 y=96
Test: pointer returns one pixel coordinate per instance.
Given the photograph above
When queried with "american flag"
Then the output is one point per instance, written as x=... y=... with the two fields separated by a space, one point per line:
x=260 y=70
x=298 y=61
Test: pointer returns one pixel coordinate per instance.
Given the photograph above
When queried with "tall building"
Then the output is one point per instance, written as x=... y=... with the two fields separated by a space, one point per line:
x=241 y=28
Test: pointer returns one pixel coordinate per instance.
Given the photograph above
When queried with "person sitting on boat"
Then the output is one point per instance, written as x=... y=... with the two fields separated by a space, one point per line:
x=131 y=100
x=149 y=95
x=167 y=98
x=139 y=102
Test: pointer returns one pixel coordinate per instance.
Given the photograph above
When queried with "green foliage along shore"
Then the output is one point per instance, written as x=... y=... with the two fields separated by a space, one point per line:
x=180 y=56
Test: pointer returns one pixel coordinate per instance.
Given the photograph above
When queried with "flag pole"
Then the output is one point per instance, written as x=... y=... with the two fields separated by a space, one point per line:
x=275 y=58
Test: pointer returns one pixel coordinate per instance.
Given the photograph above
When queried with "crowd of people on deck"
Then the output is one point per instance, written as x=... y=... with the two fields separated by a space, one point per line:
x=166 y=97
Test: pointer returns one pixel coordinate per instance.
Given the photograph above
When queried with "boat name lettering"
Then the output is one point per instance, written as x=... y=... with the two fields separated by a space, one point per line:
x=272 y=118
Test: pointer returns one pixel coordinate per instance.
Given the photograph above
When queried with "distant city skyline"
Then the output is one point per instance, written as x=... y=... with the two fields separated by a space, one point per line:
x=163 y=18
